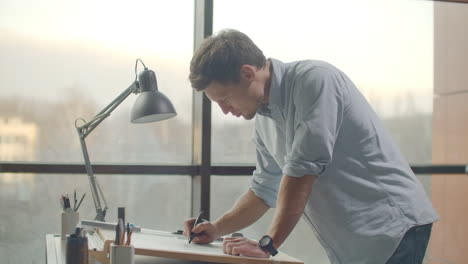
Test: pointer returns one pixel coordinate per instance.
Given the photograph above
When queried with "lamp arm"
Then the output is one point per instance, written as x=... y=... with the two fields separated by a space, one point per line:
x=83 y=132
x=91 y=125
x=100 y=212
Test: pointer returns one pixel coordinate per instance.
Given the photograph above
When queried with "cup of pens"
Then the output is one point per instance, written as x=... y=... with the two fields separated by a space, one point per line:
x=122 y=251
x=122 y=254
x=70 y=216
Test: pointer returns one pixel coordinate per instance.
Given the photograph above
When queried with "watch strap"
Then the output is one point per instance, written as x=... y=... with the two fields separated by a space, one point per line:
x=269 y=247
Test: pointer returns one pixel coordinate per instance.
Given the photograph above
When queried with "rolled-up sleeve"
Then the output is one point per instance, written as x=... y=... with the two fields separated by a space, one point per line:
x=267 y=175
x=319 y=107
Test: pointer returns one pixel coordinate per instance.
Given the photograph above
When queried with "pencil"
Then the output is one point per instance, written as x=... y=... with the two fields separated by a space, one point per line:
x=81 y=200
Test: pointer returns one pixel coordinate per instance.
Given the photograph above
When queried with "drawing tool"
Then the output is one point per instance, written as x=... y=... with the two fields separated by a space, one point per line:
x=81 y=200
x=178 y=232
x=128 y=231
x=129 y=238
x=74 y=200
x=121 y=226
x=197 y=221
x=237 y=235
x=129 y=235
x=117 y=235
x=105 y=225
x=121 y=214
x=66 y=202
x=62 y=204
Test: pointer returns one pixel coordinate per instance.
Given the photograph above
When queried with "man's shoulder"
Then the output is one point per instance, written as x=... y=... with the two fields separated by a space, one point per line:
x=302 y=67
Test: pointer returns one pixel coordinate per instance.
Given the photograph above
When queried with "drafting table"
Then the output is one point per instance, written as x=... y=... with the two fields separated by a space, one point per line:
x=55 y=254
x=153 y=246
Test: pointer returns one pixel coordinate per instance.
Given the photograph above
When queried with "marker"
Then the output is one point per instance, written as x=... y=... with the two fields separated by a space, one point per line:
x=198 y=220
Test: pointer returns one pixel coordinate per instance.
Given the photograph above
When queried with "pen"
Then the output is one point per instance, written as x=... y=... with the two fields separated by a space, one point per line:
x=129 y=235
x=81 y=200
x=66 y=202
x=117 y=235
x=128 y=229
x=197 y=221
x=129 y=238
x=74 y=202
x=62 y=204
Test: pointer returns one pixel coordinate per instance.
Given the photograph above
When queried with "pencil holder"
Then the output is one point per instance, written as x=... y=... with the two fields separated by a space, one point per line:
x=70 y=220
x=122 y=254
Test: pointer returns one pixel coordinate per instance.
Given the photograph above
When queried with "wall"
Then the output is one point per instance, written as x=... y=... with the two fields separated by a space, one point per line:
x=449 y=242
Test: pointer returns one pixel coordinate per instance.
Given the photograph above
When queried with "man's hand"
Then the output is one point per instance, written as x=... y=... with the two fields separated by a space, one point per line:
x=243 y=246
x=206 y=231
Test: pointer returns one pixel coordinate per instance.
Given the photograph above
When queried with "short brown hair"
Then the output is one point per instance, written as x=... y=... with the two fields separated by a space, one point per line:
x=220 y=58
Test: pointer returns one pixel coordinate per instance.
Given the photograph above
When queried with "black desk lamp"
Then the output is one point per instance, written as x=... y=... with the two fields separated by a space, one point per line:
x=150 y=106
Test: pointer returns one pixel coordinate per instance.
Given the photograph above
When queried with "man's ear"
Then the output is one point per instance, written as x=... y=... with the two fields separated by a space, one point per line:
x=247 y=72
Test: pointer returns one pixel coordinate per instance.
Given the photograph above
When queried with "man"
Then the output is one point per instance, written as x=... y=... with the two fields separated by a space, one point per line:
x=322 y=152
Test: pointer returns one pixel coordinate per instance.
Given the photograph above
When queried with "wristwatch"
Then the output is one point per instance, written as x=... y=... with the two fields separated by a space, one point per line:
x=266 y=244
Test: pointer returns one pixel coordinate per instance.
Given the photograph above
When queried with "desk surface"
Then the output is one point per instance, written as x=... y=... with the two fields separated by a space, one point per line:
x=55 y=254
x=168 y=247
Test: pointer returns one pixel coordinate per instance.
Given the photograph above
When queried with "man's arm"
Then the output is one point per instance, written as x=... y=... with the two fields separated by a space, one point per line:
x=293 y=196
x=292 y=199
x=248 y=209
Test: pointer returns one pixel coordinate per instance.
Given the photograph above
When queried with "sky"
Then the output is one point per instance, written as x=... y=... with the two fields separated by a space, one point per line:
x=140 y=25
x=386 y=47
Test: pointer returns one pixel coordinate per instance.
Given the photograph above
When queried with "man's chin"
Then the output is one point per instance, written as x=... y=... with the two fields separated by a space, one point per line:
x=249 y=116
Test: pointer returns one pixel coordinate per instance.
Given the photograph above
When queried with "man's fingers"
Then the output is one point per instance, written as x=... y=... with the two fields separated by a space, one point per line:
x=227 y=239
x=201 y=239
x=233 y=239
x=242 y=246
x=229 y=244
x=197 y=240
x=248 y=250
x=201 y=227
x=236 y=251
x=188 y=225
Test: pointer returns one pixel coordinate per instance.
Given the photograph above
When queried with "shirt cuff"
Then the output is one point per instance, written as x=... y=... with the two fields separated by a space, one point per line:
x=264 y=193
x=299 y=168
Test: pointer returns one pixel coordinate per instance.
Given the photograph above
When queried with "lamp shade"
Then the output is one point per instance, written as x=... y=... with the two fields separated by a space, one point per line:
x=151 y=105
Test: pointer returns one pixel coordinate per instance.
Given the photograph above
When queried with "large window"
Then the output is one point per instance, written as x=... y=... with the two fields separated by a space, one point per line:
x=30 y=208
x=63 y=60
x=385 y=47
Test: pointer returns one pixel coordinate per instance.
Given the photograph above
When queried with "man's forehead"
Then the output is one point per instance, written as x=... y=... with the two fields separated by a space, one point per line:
x=209 y=95
x=216 y=91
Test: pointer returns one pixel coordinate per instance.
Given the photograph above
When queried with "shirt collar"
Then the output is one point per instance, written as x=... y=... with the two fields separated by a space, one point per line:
x=274 y=100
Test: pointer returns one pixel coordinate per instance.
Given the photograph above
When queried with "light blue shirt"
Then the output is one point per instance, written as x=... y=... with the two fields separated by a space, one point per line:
x=365 y=196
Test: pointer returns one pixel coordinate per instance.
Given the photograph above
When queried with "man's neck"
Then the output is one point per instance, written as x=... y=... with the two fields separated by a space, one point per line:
x=266 y=89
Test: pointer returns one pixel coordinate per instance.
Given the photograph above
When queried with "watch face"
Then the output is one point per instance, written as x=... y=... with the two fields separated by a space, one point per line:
x=264 y=241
